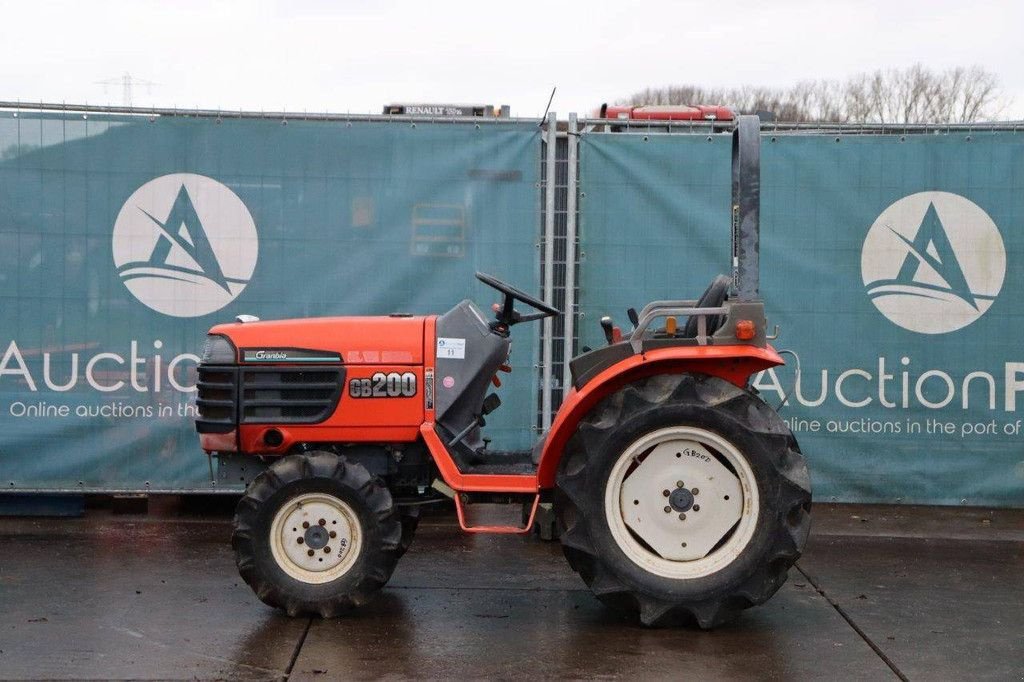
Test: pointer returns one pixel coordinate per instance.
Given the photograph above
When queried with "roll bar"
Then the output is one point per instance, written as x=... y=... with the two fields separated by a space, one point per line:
x=746 y=209
x=745 y=220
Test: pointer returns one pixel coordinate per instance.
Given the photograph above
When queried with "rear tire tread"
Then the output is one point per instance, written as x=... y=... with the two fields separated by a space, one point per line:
x=749 y=412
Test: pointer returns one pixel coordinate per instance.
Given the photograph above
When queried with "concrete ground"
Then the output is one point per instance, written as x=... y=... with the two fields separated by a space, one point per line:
x=881 y=593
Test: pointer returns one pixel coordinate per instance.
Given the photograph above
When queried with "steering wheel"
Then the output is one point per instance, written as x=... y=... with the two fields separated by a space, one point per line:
x=508 y=316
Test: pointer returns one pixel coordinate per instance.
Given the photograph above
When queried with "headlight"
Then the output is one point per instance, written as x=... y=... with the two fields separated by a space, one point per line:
x=218 y=351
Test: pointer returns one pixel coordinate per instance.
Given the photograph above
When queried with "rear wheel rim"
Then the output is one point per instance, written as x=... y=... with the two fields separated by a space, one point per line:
x=682 y=502
x=315 y=538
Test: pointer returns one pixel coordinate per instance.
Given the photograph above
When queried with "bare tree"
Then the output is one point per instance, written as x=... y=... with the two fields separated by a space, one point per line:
x=912 y=95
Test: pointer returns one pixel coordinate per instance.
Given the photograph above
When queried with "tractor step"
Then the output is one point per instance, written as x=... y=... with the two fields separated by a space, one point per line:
x=504 y=467
x=461 y=501
x=495 y=462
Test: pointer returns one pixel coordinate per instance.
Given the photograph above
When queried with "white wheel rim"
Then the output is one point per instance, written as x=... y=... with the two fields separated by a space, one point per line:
x=315 y=538
x=684 y=542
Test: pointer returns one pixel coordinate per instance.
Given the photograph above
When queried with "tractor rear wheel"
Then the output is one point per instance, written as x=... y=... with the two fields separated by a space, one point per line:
x=316 y=534
x=684 y=499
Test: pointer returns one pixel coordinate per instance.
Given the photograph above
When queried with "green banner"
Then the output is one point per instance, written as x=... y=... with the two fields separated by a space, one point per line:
x=894 y=266
x=124 y=238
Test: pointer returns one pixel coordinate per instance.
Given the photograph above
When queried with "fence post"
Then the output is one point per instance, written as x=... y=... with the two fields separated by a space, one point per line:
x=570 y=254
x=549 y=269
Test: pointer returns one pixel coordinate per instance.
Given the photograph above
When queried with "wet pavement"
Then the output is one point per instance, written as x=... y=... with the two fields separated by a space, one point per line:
x=881 y=593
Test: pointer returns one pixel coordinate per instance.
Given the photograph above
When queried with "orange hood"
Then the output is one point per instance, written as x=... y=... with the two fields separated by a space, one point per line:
x=359 y=340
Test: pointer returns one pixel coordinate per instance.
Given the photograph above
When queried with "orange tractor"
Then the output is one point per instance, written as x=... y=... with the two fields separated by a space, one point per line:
x=680 y=495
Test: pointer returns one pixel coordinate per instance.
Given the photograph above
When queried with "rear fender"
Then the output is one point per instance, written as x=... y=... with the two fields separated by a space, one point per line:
x=733 y=363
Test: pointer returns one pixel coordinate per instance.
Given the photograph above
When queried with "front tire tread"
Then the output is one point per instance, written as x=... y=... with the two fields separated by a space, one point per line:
x=322 y=472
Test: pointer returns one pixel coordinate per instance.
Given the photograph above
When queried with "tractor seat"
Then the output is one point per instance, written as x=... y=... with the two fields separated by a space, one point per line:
x=592 y=362
x=713 y=297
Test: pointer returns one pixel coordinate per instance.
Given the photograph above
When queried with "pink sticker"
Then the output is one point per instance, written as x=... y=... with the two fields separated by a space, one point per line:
x=448 y=382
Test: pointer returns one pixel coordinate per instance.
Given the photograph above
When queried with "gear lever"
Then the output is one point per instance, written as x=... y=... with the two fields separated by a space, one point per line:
x=633 y=317
x=491 y=403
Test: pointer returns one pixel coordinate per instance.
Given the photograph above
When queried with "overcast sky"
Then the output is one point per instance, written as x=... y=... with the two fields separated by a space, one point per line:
x=347 y=56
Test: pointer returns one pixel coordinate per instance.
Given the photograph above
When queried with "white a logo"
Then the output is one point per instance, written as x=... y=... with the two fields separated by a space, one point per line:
x=933 y=262
x=185 y=245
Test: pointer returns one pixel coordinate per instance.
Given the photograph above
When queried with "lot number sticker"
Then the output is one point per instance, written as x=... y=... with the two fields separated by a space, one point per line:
x=453 y=349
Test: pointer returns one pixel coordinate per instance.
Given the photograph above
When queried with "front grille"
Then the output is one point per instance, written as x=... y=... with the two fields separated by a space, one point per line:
x=290 y=395
x=272 y=394
x=216 y=398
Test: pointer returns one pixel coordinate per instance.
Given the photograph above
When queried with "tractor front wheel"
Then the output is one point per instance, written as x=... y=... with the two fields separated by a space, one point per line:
x=683 y=498
x=316 y=535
